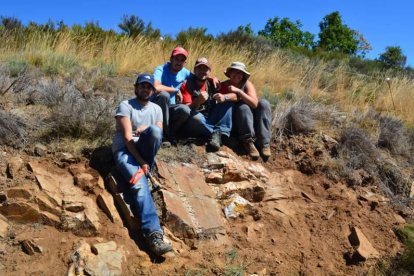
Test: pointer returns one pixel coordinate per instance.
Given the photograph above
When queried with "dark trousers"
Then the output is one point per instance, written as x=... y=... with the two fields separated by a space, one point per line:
x=253 y=124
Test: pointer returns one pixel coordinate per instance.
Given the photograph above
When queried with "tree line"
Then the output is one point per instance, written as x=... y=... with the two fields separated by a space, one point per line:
x=335 y=39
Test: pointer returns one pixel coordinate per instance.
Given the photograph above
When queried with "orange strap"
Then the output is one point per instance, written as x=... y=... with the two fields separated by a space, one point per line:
x=136 y=177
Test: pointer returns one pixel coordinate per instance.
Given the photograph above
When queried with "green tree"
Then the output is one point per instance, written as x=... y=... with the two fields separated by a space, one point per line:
x=10 y=23
x=287 y=34
x=335 y=36
x=393 y=57
x=132 y=26
x=199 y=34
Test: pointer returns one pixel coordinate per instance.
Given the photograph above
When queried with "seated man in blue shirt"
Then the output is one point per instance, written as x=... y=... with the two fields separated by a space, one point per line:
x=168 y=78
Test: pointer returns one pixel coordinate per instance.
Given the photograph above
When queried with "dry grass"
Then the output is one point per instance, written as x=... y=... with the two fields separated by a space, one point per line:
x=279 y=72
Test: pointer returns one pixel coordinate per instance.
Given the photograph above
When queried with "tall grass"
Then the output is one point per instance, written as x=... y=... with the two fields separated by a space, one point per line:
x=278 y=72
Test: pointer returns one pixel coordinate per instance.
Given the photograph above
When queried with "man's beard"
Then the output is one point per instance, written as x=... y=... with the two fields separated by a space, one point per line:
x=143 y=98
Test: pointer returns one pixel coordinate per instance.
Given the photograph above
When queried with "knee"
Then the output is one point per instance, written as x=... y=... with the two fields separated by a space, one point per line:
x=155 y=132
x=183 y=111
x=263 y=104
x=163 y=97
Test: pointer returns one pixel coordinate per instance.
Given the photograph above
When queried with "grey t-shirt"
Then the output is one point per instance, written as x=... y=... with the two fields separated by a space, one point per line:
x=139 y=116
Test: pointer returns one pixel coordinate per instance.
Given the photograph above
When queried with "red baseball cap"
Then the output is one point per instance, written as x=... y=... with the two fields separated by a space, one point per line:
x=179 y=51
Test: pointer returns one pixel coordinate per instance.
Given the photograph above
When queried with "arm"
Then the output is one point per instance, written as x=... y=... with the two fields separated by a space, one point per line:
x=160 y=87
x=159 y=71
x=126 y=127
x=249 y=97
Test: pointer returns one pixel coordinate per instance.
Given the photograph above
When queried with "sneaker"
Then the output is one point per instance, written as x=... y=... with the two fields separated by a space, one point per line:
x=165 y=144
x=266 y=152
x=215 y=142
x=157 y=245
x=251 y=150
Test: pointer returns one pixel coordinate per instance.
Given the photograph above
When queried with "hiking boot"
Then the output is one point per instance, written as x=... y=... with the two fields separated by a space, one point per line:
x=215 y=142
x=157 y=245
x=251 y=150
x=266 y=152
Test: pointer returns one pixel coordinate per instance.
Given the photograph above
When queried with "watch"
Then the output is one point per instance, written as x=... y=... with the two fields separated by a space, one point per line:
x=226 y=98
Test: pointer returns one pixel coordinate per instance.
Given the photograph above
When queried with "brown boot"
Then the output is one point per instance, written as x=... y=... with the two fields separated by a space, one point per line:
x=251 y=150
x=266 y=152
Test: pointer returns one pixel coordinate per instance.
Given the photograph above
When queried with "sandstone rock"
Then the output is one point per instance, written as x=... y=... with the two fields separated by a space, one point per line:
x=258 y=170
x=30 y=247
x=4 y=226
x=106 y=203
x=236 y=205
x=125 y=212
x=112 y=185
x=13 y=166
x=399 y=219
x=73 y=206
x=191 y=208
x=16 y=193
x=20 y=212
x=215 y=162
x=250 y=190
x=101 y=259
x=50 y=219
x=308 y=196
x=83 y=223
x=40 y=150
x=232 y=172
x=412 y=190
x=363 y=247
x=214 y=177
x=46 y=205
x=67 y=157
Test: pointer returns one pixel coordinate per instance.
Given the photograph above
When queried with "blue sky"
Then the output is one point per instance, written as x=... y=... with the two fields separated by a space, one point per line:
x=382 y=23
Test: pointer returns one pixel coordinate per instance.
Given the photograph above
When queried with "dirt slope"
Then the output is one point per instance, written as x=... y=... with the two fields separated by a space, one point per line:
x=306 y=232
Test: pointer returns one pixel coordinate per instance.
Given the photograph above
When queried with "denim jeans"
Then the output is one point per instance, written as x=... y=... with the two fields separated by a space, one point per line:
x=253 y=123
x=139 y=195
x=219 y=119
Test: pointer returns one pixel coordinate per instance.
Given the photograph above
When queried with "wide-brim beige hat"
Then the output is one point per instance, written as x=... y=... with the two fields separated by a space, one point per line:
x=237 y=65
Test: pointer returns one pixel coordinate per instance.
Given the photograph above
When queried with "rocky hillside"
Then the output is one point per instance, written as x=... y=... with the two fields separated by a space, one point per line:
x=328 y=201
x=224 y=215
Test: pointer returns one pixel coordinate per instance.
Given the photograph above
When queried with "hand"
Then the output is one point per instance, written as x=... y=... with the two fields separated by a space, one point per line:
x=179 y=97
x=145 y=168
x=203 y=97
x=140 y=130
x=216 y=83
x=137 y=176
x=219 y=98
x=233 y=89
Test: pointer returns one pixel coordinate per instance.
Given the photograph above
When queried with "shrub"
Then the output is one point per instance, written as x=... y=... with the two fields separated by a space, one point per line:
x=73 y=115
x=393 y=179
x=357 y=150
x=60 y=64
x=13 y=130
x=393 y=135
x=16 y=67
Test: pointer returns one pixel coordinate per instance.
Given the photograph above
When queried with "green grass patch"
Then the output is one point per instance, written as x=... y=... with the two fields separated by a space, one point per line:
x=16 y=66
x=59 y=64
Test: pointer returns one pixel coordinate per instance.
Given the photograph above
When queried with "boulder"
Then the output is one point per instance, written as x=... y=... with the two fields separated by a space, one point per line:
x=106 y=203
x=362 y=245
x=20 y=212
x=100 y=259
x=30 y=247
x=191 y=208
x=14 y=165
x=4 y=227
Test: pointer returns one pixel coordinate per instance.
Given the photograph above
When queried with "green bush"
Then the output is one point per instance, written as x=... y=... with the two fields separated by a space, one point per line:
x=15 y=67
x=61 y=64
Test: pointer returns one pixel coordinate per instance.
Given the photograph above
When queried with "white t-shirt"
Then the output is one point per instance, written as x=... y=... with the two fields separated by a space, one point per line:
x=139 y=115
